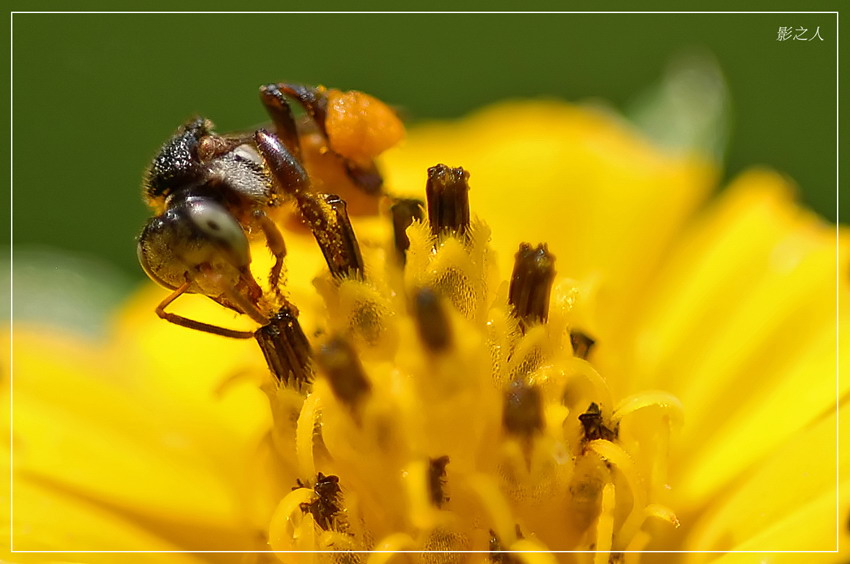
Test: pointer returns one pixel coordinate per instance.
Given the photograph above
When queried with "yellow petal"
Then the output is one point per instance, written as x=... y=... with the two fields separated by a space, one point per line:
x=80 y=431
x=813 y=524
x=787 y=502
x=46 y=519
x=741 y=326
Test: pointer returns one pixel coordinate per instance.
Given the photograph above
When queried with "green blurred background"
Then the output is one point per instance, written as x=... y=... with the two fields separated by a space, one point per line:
x=96 y=94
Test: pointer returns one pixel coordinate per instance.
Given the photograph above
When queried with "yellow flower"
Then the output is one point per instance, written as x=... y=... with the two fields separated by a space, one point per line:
x=451 y=411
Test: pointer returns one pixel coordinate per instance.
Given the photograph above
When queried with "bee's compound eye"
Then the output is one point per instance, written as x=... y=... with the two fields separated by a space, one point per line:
x=221 y=228
x=156 y=257
x=197 y=239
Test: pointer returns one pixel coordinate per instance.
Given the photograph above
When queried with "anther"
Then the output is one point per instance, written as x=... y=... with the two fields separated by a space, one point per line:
x=437 y=480
x=594 y=427
x=522 y=412
x=582 y=344
x=498 y=553
x=328 y=219
x=340 y=364
x=432 y=320
x=447 y=191
x=286 y=348
x=531 y=283
x=327 y=508
x=404 y=211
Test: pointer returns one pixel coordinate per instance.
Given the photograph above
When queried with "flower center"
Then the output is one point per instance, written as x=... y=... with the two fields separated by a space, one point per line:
x=439 y=408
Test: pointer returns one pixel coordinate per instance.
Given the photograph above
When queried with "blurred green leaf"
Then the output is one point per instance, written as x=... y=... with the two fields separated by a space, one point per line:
x=61 y=289
x=688 y=109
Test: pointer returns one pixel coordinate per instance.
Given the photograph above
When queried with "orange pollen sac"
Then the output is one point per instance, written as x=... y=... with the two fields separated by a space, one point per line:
x=360 y=127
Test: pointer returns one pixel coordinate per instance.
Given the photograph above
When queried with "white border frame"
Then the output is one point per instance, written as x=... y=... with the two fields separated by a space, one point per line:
x=11 y=294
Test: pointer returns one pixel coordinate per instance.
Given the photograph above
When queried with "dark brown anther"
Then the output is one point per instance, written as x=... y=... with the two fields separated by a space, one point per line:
x=531 y=283
x=594 y=427
x=327 y=217
x=498 y=553
x=437 y=480
x=447 y=191
x=340 y=364
x=522 y=412
x=404 y=213
x=432 y=320
x=582 y=344
x=327 y=508
x=286 y=348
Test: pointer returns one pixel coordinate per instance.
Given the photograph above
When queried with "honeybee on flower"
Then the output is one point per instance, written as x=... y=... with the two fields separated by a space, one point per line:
x=508 y=351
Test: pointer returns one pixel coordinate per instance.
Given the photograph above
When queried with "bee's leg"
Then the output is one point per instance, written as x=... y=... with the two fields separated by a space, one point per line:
x=313 y=100
x=191 y=323
x=244 y=304
x=368 y=178
x=276 y=244
x=281 y=114
x=285 y=168
x=325 y=213
x=315 y=103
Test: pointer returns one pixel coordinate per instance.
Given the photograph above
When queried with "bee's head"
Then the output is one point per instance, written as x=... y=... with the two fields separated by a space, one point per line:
x=196 y=239
x=177 y=164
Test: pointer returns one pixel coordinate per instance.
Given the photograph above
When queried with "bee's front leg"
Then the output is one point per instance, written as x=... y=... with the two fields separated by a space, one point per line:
x=276 y=244
x=278 y=109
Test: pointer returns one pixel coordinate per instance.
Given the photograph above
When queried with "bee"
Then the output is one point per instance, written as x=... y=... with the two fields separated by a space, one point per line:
x=212 y=193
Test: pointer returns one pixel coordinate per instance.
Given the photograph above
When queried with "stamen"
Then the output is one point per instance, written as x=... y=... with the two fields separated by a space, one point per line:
x=288 y=530
x=636 y=547
x=386 y=548
x=437 y=480
x=447 y=192
x=404 y=211
x=286 y=348
x=667 y=403
x=605 y=526
x=498 y=554
x=594 y=427
x=531 y=283
x=328 y=219
x=522 y=413
x=582 y=344
x=614 y=454
x=340 y=364
x=432 y=320
x=305 y=435
x=326 y=508
x=495 y=506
